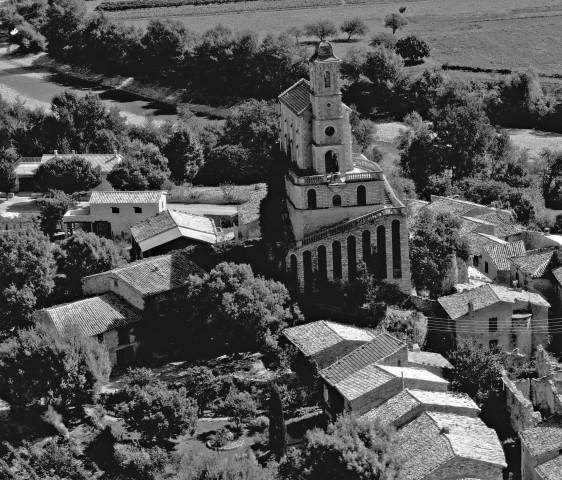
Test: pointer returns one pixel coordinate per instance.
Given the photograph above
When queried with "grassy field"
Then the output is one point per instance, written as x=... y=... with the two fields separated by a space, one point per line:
x=512 y=34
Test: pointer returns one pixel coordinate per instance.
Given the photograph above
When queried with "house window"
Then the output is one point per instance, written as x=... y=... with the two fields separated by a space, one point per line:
x=138 y=210
x=100 y=337
x=123 y=335
x=475 y=261
x=336 y=201
x=114 y=209
x=493 y=324
x=493 y=344
x=485 y=267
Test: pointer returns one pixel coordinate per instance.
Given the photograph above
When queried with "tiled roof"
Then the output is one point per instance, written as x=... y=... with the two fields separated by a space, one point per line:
x=456 y=305
x=94 y=315
x=434 y=438
x=312 y=338
x=106 y=161
x=551 y=470
x=430 y=359
x=376 y=350
x=157 y=274
x=545 y=437
x=501 y=253
x=154 y=225
x=504 y=225
x=557 y=272
x=534 y=262
x=407 y=400
x=454 y=206
x=479 y=241
x=297 y=97
x=126 y=197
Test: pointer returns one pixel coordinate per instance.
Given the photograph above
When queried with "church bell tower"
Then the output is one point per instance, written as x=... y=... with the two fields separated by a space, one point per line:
x=331 y=131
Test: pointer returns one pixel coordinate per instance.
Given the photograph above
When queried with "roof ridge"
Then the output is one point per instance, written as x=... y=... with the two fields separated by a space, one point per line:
x=294 y=85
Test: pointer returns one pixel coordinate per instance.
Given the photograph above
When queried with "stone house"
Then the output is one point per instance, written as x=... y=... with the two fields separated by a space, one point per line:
x=149 y=285
x=494 y=261
x=541 y=447
x=324 y=342
x=446 y=446
x=498 y=316
x=106 y=317
x=174 y=230
x=111 y=214
x=341 y=209
x=430 y=361
x=410 y=404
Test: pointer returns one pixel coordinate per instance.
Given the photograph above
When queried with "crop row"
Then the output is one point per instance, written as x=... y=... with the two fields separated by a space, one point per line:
x=206 y=7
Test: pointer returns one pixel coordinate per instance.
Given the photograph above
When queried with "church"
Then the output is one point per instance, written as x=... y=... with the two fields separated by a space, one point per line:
x=341 y=208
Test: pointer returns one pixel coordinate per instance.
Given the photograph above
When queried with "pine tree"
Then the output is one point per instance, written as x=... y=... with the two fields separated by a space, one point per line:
x=277 y=427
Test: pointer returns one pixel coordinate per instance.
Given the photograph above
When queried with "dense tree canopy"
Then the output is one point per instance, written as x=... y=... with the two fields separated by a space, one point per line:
x=40 y=367
x=68 y=174
x=27 y=272
x=53 y=209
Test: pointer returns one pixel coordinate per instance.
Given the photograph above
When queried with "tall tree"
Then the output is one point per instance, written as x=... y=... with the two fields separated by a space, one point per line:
x=52 y=211
x=277 y=427
x=68 y=174
x=184 y=153
x=27 y=272
x=551 y=178
x=8 y=178
x=64 y=18
x=40 y=367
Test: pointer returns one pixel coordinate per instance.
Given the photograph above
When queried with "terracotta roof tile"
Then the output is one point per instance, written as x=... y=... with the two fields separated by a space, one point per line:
x=126 y=197
x=106 y=161
x=535 y=262
x=372 y=352
x=502 y=221
x=557 y=272
x=551 y=470
x=94 y=315
x=297 y=97
x=312 y=338
x=501 y=253
x=430 y=359
x=544 y=438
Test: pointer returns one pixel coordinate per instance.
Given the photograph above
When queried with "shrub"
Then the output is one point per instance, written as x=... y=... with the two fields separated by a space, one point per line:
x=222 y=437
x=139 y=463
x=258 y=424
x=385 y=39
x=239 y=406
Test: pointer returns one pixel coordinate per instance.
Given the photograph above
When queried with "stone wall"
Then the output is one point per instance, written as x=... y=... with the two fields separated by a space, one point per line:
x=520 y=408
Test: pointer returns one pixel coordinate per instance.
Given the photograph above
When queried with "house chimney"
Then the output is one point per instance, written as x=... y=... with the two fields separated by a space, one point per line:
x=56 y=153
x=73 y=152
x=416 y=347
x=445 y=430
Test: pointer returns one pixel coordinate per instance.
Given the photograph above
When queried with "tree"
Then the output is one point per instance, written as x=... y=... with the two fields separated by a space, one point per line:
x=349 y=449
x=385 y=39
x=228 y=163
x=364 y=132
x=52 y=210
x=69 y=174
x=277 y=427
x=200 y=384
x=320 y=29
x=64 y=18
x=551 y=178
x=41 y=367
x=395 y=21
x=385 y=69
x=412 y=49
x=239 y=406
x=296 y=32
x=159 y=413
x=28 y=39
x=85 y=254
x=8 y=178
x=354 y=26
x=27 y=272
x=184 y=153
x=144 y=168
x=434 y=245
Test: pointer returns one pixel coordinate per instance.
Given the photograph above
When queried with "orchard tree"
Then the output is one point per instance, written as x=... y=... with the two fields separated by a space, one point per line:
x=434 y=245
x=349 y=449
x=68 y=174
x=296 y=32
x=395 y=21
x=40 y=367
x=320 y=29
x=53 y=209
x=354 y=26
x=84 y=254
x=27 y=273
x=412 y=49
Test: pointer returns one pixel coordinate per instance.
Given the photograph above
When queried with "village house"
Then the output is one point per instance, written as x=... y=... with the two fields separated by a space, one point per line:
x=445 y=446
x=111 y=214
x=494 y=261
x=341 y=209
x=106 y=317
x=151 y=285
x=27 y=167
x=430 y=361
x=410 y=404
x=541 y=448
x=172 y=230
x=498 y=316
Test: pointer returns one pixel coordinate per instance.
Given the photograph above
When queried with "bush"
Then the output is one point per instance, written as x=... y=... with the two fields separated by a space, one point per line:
x=258 y=424
x=222 y=437
x=239 y=406
x=385 y=39
x=139 y=463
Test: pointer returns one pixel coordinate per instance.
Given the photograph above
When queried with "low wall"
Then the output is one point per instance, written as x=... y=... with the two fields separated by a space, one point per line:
x=521 y=410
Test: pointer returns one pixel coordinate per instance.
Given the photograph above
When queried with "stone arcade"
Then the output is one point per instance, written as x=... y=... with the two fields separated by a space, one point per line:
x=342 y=209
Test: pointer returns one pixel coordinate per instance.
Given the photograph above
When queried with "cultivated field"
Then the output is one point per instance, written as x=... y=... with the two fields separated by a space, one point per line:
x=513 y=34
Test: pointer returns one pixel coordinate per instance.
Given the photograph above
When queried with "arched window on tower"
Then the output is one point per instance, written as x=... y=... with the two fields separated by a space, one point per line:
x=361 y=195
x=311 y=198
x=366 y=245
x=331 y=162
x=336 y=260
x=322 y=264
x=307 y=267
x=351 y=258
x=327 y=79
x=336 y=201
x=294 y=270
x=380 y=257
x=396 y=253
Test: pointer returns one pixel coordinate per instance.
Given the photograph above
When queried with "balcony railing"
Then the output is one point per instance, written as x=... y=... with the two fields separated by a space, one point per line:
x=346 y=226
x=331 y=178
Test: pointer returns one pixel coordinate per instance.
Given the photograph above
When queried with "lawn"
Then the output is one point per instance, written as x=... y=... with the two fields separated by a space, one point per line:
x=500 y=34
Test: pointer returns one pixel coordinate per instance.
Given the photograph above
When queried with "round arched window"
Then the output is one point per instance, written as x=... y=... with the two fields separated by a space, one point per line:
x=336 y=201
x=330 y=131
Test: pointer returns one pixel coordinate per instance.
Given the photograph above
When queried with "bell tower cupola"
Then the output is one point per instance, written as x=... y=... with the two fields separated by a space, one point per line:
x=331 y=131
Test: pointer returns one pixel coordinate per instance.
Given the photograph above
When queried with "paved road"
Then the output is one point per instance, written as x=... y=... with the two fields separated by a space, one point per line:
x=37 y=87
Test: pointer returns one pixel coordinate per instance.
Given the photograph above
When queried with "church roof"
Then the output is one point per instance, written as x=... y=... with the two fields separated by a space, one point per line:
x=297 y=97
